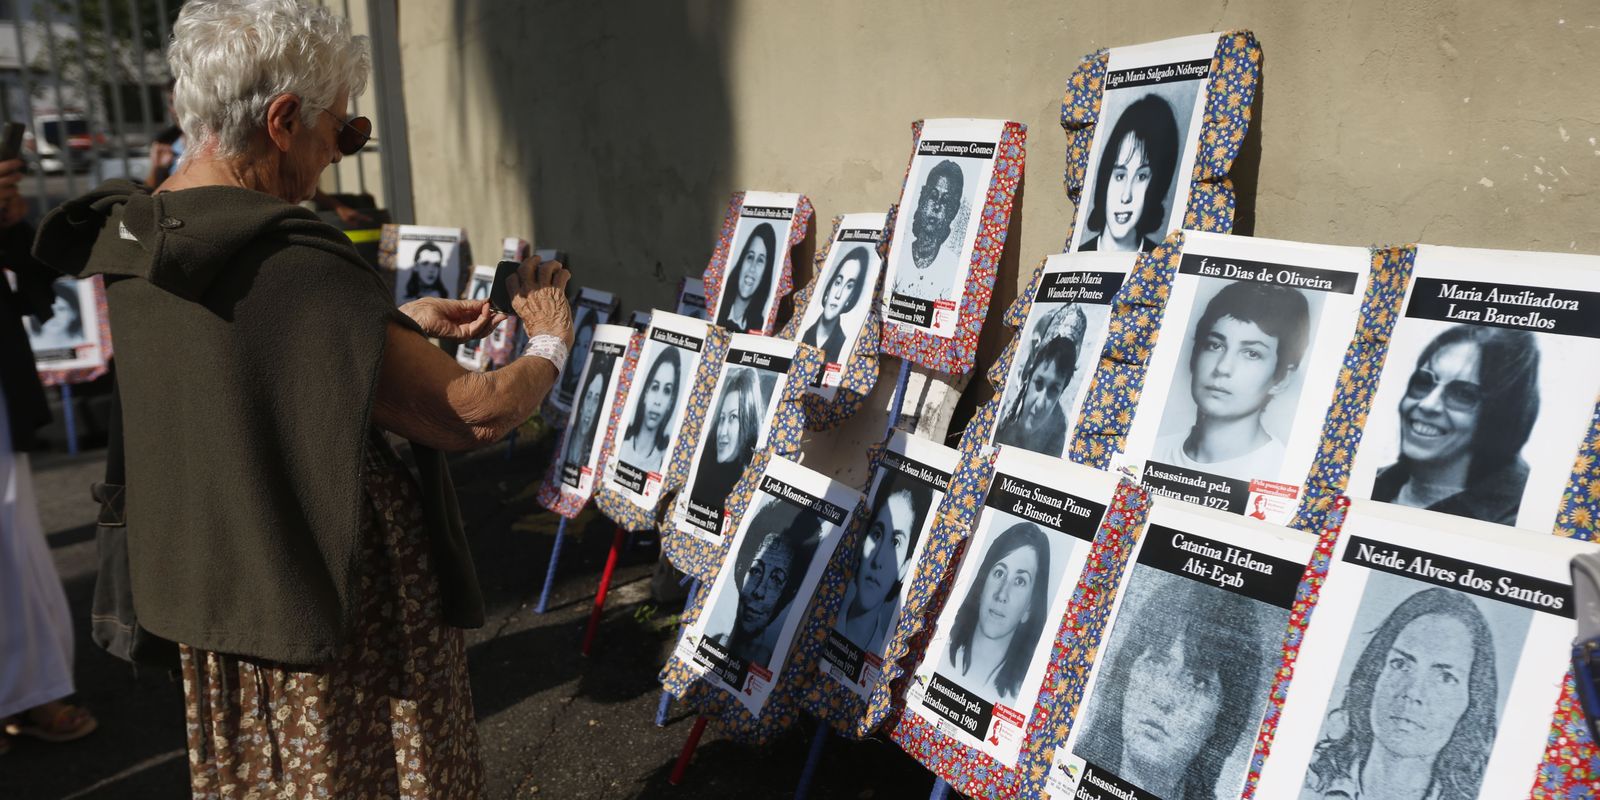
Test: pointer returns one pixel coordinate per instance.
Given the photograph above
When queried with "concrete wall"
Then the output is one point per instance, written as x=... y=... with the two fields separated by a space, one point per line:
x=617 y=130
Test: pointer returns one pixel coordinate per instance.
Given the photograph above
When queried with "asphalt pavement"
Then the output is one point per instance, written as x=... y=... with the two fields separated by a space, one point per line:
x=553 y=723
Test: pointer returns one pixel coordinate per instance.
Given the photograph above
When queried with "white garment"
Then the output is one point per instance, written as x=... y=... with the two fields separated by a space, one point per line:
x=1262 y=462
x=35 y=623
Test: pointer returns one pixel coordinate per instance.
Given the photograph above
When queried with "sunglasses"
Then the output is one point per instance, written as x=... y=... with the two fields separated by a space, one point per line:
x=1462 y=396
x=354 y=133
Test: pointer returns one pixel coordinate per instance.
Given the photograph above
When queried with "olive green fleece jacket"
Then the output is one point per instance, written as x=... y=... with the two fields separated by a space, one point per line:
x=248 y=340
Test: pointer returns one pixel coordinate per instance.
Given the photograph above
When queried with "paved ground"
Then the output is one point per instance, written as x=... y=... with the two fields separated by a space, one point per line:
x=553 y=723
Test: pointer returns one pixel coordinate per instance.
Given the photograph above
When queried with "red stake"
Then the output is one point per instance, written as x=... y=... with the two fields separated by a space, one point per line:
x=688 y=752
x=605 y=585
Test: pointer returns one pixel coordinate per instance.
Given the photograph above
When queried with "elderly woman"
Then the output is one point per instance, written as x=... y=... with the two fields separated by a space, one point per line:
x=315 y=586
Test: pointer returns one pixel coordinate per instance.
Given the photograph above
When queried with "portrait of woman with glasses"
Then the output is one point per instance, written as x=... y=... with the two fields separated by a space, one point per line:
x=1468 y=408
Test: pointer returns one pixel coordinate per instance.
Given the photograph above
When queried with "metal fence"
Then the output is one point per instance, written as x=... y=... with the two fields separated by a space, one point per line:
x=92 y=93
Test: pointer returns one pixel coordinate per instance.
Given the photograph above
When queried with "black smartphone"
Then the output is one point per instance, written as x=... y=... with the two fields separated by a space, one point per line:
x=499 y=292
x=11 y=141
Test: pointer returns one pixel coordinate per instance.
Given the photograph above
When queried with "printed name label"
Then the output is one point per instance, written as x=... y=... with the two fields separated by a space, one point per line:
x=1161 y=73
x=783 y=491
x=766 y=212
x=866 y=235
x=1051 y=508
x=956 y=149
x=608 y=348
x=1238 y=269
x=922 y=473
x=1192 y=486
x=962 y=708
x=764 y=361
x=910 y=310
x=665 y=336
x=1257 y=576
x=1526 y=591
x=1569 y=312
x=1093 y=288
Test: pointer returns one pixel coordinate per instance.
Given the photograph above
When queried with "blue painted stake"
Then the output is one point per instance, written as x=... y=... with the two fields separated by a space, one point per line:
x=72 y=419
x=813 y=760
x=666 y=697
x=550 y=572
x=941 y=790
x=899 y=397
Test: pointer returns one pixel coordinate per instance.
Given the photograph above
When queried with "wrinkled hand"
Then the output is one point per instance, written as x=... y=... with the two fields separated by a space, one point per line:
x=453 y=319
x=13 y=207
x=539 y=296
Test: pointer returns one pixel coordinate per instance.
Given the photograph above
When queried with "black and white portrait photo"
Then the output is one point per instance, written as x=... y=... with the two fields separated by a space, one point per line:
x=750 y=277
x=769 y=568
x=58 y=337
x=1003 y=614
x=654 y=401
x=1420 y=695
x=1235 y=391
x=838 y=307
x=1133 y=190
x=471 y=352
x=1470 y=403
x=939 y=219
x=428 y=262
x=737 y=415
x=584 y=320
x=1054 y=360
x=1181 y=687
x=588 y=416
x=692 y=298
x=900 y=510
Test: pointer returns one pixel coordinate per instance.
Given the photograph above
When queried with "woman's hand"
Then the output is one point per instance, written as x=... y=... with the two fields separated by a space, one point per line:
x=453 y=319
x=13 y=207
x=539 y=296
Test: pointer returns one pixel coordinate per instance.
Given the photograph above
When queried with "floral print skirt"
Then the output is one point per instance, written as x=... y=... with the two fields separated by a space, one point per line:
x=391 y=716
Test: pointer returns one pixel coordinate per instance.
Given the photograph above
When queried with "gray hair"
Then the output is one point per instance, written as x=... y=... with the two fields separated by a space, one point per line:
x=230 y=58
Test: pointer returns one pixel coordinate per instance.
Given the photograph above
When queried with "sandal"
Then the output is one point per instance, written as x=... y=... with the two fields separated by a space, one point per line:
x=66 y=724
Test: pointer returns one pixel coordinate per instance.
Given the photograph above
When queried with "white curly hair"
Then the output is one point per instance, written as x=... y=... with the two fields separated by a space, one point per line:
x=230 y=58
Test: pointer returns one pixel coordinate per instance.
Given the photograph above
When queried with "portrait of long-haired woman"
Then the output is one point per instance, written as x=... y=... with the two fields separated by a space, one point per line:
x=899 y=510
x=1181 y=692
x=768 y=572
x=1002 y=616
x=1469 y=406
x=587 y=416
x=735 y=426
x=644 y=442
x=839 y=296
x=747 y=281
x=1131 y=182
x=1418 y=716
x=582 y=338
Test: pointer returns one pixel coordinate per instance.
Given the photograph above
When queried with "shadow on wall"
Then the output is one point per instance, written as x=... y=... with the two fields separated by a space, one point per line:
x=620 y=120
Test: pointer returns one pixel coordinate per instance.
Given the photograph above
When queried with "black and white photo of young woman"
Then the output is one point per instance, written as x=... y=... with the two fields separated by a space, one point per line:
x=1421 y=692
x=1233 y=399
x=426 y=276
x=582 y=337
x=1002 y=616
x=588 y=416
x=649 y=428
x=1469 y=407
x=1134 y=187
x=748 y=616
x=938 y=228
x=899 y=511
x=838 y=298
x=735 y=423
x=1181 y=689
x=1033 y=414
x=57 y=337
x=467 y=355
x=747 y=281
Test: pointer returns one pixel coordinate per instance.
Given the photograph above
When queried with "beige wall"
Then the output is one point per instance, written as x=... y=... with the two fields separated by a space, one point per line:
x=615 y=130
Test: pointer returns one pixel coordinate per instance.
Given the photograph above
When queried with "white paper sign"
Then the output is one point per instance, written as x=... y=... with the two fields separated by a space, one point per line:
x=653 y=412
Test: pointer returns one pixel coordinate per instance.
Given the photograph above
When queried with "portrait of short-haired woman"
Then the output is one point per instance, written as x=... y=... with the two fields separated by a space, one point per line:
x=1468 y=409
x=770 y=567
x=883 y=560
x=839 y=296
x=649 y=431
x=726 y=452
x=1418 y=718
x=427 y=273
x=1128 y=209
x=747 y=282
x=1181 y=692
x=1002 y=616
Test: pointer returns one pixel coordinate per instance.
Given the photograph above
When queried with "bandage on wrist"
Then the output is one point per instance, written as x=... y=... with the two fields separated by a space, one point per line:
x=550 y=348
